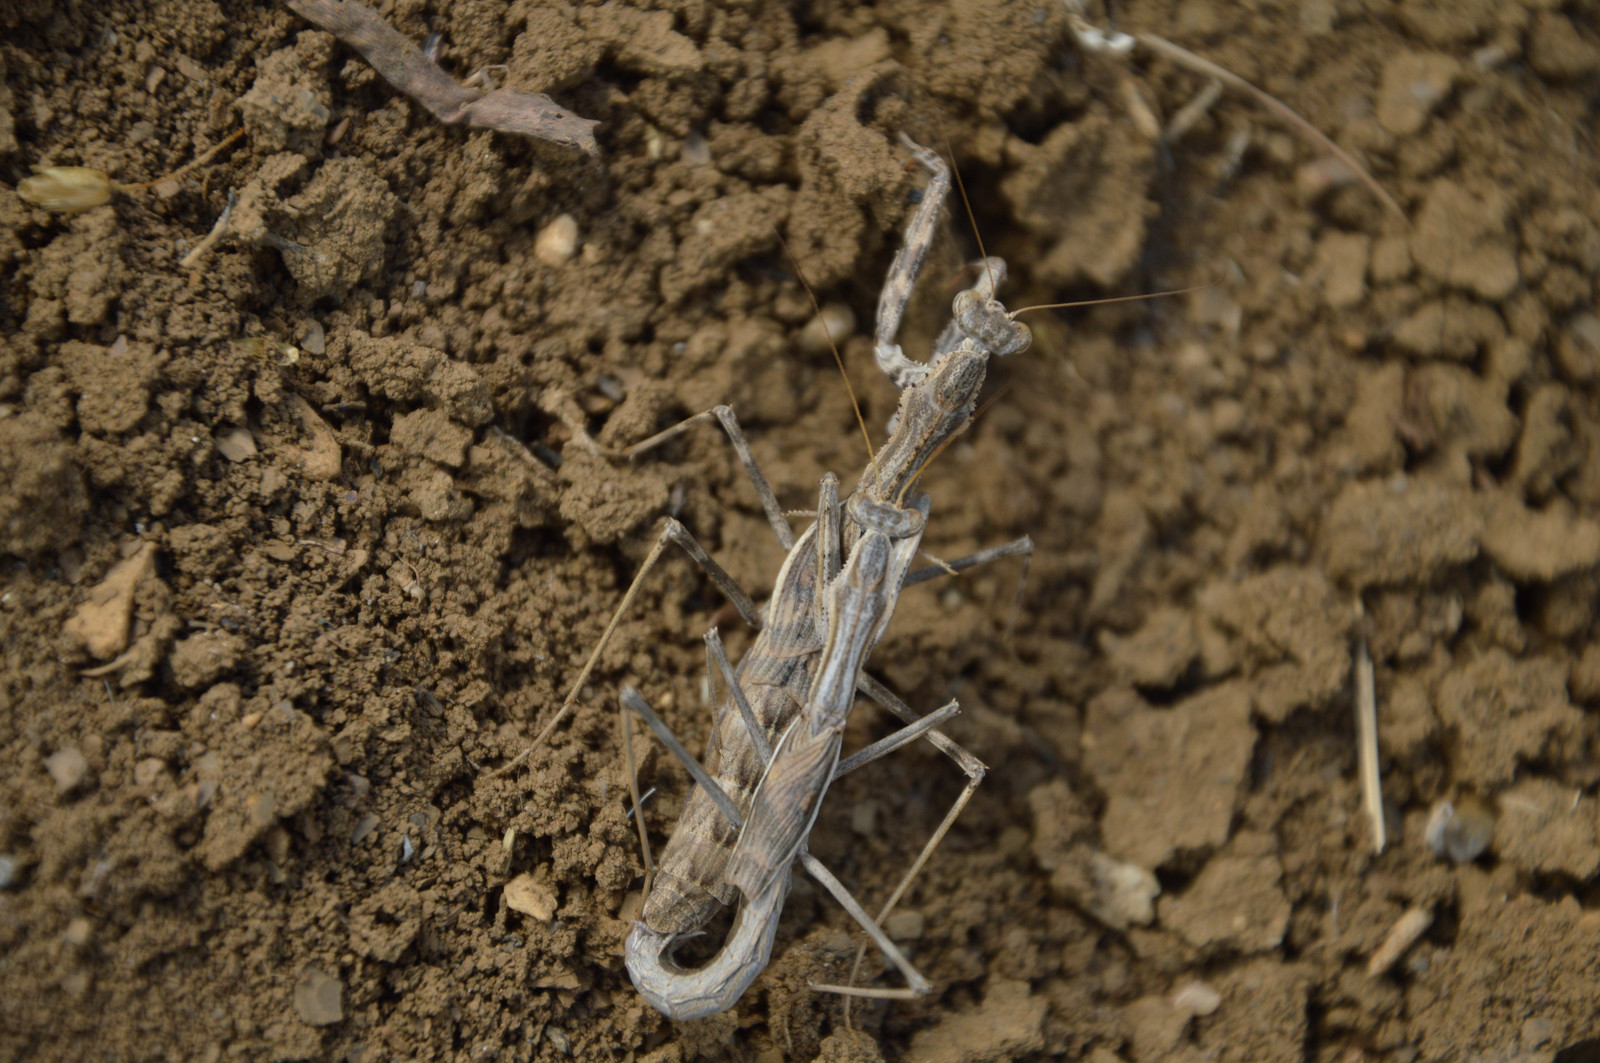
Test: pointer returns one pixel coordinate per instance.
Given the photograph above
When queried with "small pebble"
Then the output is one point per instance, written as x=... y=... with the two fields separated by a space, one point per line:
x=530 y=897
x=557 y=242
x=235 y=443
x=1411 y=925
x=1536 y=1033
x=1412 y=86
x=262 y=810
x=364 y=826
x=1196 y=998
x=906 y=924
x=1578 y=349
x=315 y=340
x=318 y=997
x=79 y=931
x=696 y=151
x=1124 y=893
x=1461 y=832
x=835 y=323
x=149 y=773
x=68 y=768
x=10 y=874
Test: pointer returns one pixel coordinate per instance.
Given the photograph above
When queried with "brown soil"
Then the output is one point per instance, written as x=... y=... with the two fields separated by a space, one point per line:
x=300 y=544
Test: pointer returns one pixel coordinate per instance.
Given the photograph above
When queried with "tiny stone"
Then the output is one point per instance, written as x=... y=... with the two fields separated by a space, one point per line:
x=1320 y=176
x=9 y=872
x=364 y=826
x=530 y=897
x=235 y=443
x=1578 y=349
x=827 y=330
x=1462 y=834
x=149 y=772
x=314 y=341
x=1196 y=998
x=1536 y=1033
x=1411 y=925
x=695 y=151
x=1413 y=84
x=557 y=242
x=318 y=997
x=79 y=931
x=1124 y=893
x=407 y=850
x=68 y=768
x=261 y=808
x=904 y=925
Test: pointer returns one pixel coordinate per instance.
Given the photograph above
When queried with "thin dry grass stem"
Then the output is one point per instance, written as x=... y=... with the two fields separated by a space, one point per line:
x=861 y=422
x=218 y=231
x=972 y=220
x=588 y=668
x=1193 y=111
x=1190 y=61
x=1367 y=741
x=638 y=812
x=1412 y=924
x=199 y=160
x=1114 y=299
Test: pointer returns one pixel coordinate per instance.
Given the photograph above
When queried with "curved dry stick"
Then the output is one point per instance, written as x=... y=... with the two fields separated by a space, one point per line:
x=1185 y=58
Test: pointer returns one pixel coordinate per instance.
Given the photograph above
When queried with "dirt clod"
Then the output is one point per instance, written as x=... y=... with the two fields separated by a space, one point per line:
x=42 y=498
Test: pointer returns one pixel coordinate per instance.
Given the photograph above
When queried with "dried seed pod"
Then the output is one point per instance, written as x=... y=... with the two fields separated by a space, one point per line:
x=61 y=189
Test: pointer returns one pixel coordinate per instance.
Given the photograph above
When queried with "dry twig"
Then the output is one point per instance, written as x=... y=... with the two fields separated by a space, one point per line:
x=1092 y=38
x=1412 y=924
x=1367 y=739
x=1185 y=58
x=218 y=231
x=404 y=66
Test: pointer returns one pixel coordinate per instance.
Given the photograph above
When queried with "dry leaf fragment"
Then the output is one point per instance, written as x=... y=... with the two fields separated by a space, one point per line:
x=404 y=66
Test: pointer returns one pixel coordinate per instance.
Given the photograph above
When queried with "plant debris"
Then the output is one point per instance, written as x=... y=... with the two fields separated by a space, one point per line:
x=69 y=189
x=407 y=68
